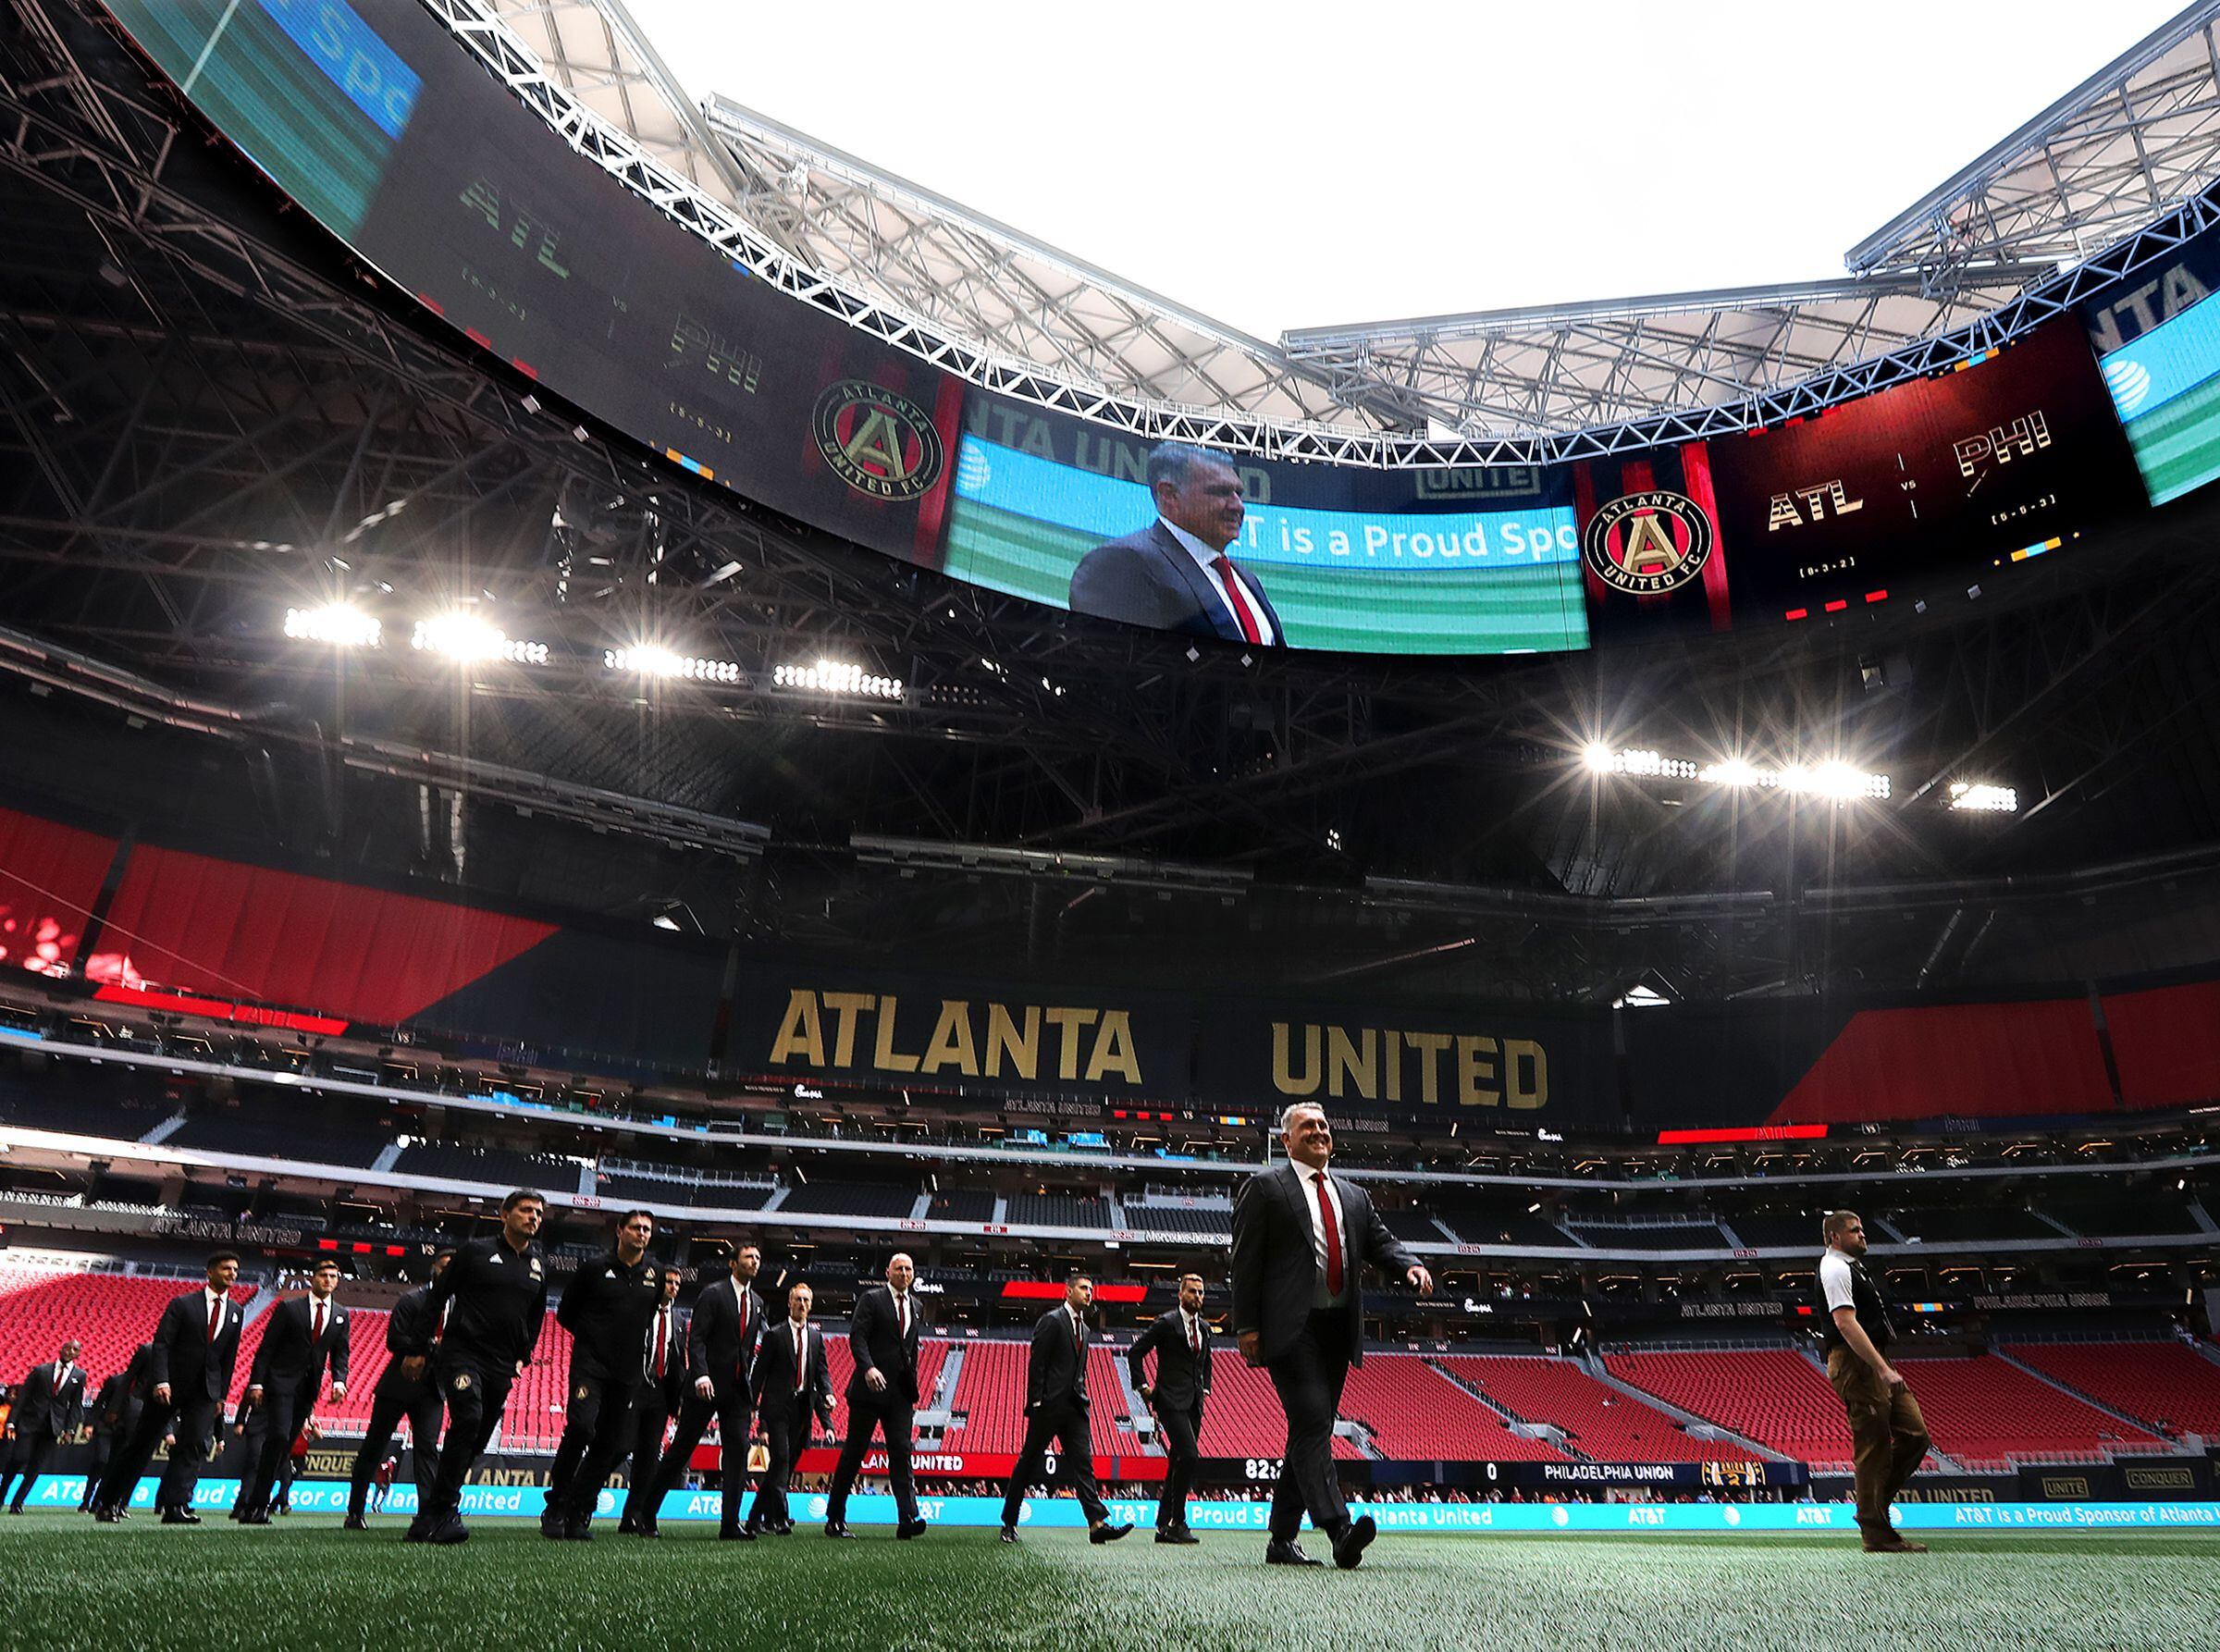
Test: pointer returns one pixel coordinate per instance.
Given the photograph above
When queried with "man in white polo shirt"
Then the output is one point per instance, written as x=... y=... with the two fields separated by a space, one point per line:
x=1888 y=1435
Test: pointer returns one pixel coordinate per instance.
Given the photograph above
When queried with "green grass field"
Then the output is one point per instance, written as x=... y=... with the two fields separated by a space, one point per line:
x=66 y=1583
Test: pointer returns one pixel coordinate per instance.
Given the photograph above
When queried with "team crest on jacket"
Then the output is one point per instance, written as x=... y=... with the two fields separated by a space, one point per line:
x=1648 y=543
x=461 y=1382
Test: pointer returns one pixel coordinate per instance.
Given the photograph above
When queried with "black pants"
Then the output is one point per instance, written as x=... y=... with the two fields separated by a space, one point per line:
x=731 y=1407
x=597 y=1430
x=475 y=1391
x=420 y=1403
x=103 y=1448
x=892 y=1417
x=785 y=1433
x=1065 y=1421
x=29 y=1460
x=193 y=1421
x=279 y=1415
x=1308 y=1376
x=1179 y=1426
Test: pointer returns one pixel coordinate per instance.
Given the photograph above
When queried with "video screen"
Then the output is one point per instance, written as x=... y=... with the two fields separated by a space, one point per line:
x=2158 y=341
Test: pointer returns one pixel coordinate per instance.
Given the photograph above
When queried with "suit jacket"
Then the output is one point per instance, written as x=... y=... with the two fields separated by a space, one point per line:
x=776 y=1395
x=185 y=1356
x=1275 y=1268
x=878 y=1343
x=287 y=1359
x=1148 y=579
x=113 y=1409
x=673 y=1392
x=38 y=1407
x=1182 y=1376
x=408 y=1334
x=716 y=1348
x=1055 y=1372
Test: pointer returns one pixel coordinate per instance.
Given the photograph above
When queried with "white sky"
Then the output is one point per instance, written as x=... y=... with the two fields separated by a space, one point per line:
x=1296 y=166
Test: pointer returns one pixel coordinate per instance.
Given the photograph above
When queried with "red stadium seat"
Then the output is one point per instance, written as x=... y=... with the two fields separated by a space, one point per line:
x=1599 y=1422
x=2148 y=1380
x=1416 y=1415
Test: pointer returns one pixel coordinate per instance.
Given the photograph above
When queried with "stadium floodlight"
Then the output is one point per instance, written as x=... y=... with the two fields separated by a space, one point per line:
x=1979 y=795
x=831 y=676
x=648 y=659
x=340 y=623
x=464 y=636
x=1834 y=779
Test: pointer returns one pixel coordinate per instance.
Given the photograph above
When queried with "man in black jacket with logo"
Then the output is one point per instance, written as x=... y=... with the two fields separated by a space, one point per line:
x=721 y=1361
x=1888 y=1435
x=662 y=1392
x=1181 y=1339
x=607 y=1309
x=1301 y=1236
x=793 y=1384
x=43 y=1410
x=1057 y=1408
x=882 y=1394
x=115 y=1413
x=195 y=1349
x=498 y=1287
x=404 y=1390
x=305 y=1336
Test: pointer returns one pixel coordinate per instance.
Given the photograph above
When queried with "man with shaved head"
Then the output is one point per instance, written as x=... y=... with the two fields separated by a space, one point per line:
x=882 y=1394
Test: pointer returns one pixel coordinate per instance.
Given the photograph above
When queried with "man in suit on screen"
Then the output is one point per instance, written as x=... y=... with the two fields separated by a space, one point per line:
x=1180 y=1340
x=882 y=1394
x=195 y=1347
x=1176 y=573
x=1300 y=1239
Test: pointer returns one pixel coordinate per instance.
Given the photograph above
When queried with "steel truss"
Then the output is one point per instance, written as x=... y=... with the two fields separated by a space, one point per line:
x=1970 y=268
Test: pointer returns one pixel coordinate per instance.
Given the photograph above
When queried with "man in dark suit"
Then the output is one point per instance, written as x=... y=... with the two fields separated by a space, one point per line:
x=195 y=1349
x=882 y=1394
x=1176 y=573
x=115 y=1413
x=43 y=1410
x=1057 y=1408
x=1182 y=1340
x=404 y=1390
x=727 y=1330
x=1301 y=1241
x=662 y=1391
x=793 y=1384
x=305 y=1336
x=607 y=1309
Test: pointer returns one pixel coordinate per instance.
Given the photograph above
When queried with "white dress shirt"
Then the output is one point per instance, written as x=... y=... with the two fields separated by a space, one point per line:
x=1206 y=558
x=1322 y=1298
x=210 y=1302
x=902 y=1319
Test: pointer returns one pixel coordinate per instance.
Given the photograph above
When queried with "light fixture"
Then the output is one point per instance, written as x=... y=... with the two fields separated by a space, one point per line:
x=1832 y=778
x=831 y=676
x=1980 y=795
x=340 y=623
x=649 y=660
x=463 y=636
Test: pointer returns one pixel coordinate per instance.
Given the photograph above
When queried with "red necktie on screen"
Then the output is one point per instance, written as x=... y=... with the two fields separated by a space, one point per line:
x=215 y=1319
x=801 y=1358
x=1242 y=613
x=315 y=1323
x=663 y=1331
x=1332 y=1236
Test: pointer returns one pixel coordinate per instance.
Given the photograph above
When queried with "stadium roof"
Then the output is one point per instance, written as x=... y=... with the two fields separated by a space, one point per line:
x=2139 y=136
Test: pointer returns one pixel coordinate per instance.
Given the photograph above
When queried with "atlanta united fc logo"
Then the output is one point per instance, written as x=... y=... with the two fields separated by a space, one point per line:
x=877 y=442
x=1648 y=543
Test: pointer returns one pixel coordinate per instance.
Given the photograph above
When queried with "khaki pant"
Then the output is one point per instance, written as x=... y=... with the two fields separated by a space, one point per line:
x=1888 y=1435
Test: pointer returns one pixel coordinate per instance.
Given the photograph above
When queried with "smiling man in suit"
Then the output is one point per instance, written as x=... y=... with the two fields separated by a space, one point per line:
x=305 y=1336
x=43 y=1410
x=882 y=1394
x=1300 y=1239
x=722 y=1344
x=1058 y=1407
x=793 y=1384
x=1176 y=574
x=1181 y=1339
x=194 y=1350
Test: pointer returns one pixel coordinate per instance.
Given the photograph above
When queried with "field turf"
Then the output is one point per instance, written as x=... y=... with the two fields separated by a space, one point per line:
x=67 y=1584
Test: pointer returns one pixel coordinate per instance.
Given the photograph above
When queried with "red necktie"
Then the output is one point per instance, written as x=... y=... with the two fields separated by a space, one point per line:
x=663 y=1323
x=743 y=1293
x=1332 y=1236
x=1243 y=614
x=316 y=1325
x=1079 y=1335
x=902 y=1317
x=801 y=1357
x=215 y=1318
x=1194 y=1338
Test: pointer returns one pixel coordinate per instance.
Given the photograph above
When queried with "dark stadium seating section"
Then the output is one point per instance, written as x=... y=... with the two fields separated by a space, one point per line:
x=964 y=1204
x=620 y=1187
x=1177 y=1218
x=275 y=1131
x=1058 y=1210
x=886 y=1201
x=1678 y=1236
x=1952 y=1223
x=500 y=1166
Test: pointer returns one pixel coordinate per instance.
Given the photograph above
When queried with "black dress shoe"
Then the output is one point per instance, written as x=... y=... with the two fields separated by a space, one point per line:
x=647 y=1528
x=1285 y=1551
x=1177 y=1535
x=551 y=1526
x=736 y=1534
x=1007 y=1534
x=1107 y=1532
x=1356 y=1537
x=355 y=1522
x=419 y=1529
x=626 y=1526
x=784 y=1528
x=253 y=1517
x=105 y=1515
x=180 y=1517
x=449 y=1529
x=579 y=1528
x=837 y=1528
x=906 y=1530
